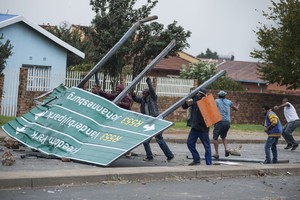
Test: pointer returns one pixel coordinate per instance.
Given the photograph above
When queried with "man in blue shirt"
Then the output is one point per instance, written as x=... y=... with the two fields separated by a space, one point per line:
x=221 y=128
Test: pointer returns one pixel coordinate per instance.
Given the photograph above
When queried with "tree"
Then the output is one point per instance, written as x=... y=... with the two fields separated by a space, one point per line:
x=208 y=54
x=202 y=71
x=78 y=37
x=226 y=83
x=5 y=52
x=280 y=44
x=152 y=39
x=114 y=18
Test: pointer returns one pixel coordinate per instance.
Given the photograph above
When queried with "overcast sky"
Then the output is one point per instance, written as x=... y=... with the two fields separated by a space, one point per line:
x=224 y=26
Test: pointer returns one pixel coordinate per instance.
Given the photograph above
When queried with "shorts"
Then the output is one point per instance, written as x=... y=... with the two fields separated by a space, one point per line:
x=221 y=128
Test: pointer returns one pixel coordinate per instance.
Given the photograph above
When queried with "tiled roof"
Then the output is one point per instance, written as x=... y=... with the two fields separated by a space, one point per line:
x=172 y=63
x=238 y=70
x=241 y=71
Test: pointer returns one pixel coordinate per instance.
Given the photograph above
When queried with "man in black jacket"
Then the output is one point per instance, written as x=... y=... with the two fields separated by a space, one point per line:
x=198 y=130
x=149 y=106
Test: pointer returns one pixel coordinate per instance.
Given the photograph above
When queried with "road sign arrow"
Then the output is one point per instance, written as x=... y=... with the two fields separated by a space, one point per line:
x=20 y=130
x=148 y=127
x=39 y=115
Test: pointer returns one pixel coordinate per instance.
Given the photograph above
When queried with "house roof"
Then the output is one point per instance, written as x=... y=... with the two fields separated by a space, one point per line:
x=188 y=57
x=241 y=71
x=175 y=63
x=172 y=63
x=7 y=20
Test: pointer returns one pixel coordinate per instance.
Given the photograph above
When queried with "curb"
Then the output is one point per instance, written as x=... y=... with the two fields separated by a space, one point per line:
x=22 y=179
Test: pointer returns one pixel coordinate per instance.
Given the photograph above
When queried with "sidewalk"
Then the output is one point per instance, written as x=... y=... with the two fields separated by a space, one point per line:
x=33 y=172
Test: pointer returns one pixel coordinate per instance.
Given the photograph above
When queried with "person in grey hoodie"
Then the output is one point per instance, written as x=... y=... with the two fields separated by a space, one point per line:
x=149 y=106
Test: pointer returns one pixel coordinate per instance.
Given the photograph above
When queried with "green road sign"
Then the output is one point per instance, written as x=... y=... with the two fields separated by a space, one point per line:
x=76 y=124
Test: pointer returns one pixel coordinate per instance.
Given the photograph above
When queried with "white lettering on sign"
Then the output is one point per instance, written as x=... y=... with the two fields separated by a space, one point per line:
x=69 y=122
x=95 y=106
x=39 y=137
x=58 y=143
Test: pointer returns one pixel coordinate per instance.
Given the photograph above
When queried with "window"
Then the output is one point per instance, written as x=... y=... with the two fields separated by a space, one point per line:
x=38 y=78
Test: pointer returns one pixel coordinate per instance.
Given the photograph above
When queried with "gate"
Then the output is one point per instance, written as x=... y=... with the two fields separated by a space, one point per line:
x=10 y=92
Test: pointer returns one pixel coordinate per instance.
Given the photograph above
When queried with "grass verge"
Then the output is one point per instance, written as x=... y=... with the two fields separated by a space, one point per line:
x=182 y=126
x=233 y=127
x=4 y=119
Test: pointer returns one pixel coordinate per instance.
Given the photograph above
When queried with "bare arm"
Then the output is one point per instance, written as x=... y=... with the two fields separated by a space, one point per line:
x=235 y=108
x=282 y=105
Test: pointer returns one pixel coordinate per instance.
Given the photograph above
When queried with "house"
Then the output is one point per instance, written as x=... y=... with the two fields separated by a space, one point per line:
x=244 y=73
x=247 y=75
x=171 y=66
x=42 y=53
x=241 y=71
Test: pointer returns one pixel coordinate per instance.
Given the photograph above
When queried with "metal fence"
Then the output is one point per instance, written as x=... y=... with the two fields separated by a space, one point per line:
x=10 y=93
x=174 y=87
x=39 y=80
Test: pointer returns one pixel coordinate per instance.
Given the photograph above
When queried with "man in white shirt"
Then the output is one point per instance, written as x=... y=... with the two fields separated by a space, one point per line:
x=293 y=122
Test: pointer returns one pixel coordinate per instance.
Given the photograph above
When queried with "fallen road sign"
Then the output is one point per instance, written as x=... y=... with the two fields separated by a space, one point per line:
x=77 y=124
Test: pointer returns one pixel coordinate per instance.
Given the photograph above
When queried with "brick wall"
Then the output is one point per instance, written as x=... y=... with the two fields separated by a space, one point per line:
x=25 y=98
x=250 y=111
x=250 y=103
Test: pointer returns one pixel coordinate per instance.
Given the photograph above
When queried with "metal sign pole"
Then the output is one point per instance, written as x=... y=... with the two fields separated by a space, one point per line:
x=147 y=69
x=193 y=93
x=114 y=49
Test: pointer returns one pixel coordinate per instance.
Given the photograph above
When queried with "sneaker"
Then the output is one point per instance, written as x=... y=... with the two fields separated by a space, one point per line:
x=170 y=158
x=267 y=162
x=134 y=154
x=294 y=147
x=147 y=159
x=274 y=161
x=288 y=146
x=216 y=156
x=194 y=163
x=227 y=153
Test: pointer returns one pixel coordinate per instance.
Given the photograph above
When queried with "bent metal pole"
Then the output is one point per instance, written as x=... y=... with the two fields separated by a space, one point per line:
x=114 y=49
x=147 y=69
x=193 y=93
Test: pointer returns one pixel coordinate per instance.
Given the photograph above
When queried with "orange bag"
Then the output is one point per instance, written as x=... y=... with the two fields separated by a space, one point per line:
x=209 y=110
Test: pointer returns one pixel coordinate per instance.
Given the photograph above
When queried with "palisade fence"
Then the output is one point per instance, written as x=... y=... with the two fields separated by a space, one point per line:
x=10 y=93
x=40 y=79
x=173 y=87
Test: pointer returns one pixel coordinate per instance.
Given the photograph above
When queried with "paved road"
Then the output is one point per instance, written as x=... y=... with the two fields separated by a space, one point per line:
x=35 y=172
x=255 y=187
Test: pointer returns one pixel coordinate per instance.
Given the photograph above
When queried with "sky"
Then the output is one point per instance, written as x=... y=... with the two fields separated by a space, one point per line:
x=224 y=26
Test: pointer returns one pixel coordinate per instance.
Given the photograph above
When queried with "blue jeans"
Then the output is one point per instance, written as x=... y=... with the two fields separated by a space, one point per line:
x=271 y=143
x=162 y=144
x=191 y=143
x=288 y=130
